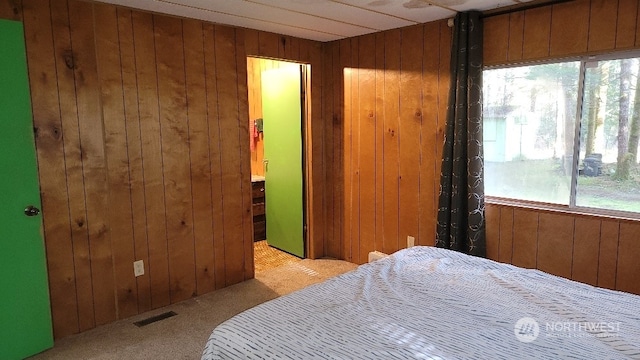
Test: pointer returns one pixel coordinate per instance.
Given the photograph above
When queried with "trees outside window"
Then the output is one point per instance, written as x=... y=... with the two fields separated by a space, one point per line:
x=532 y=115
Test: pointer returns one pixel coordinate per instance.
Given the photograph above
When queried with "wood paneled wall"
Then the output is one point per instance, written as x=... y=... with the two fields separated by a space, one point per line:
x=142 y=141
x=596 y=250
x=385 y=98
x=141 y=132
x=570 y=29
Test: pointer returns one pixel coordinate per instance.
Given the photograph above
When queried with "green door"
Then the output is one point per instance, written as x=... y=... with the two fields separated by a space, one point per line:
x=25 y=314
x=281 y=111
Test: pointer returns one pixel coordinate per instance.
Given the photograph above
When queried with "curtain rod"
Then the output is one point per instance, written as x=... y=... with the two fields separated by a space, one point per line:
x=523 y=8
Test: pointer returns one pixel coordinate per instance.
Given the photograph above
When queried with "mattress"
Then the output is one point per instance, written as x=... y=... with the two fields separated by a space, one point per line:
x=430 y=303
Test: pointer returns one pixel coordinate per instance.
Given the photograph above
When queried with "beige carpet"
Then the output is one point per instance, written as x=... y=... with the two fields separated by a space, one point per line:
x=184 y=336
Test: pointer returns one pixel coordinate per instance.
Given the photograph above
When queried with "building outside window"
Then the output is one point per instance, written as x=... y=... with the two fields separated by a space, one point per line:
x=565 y=133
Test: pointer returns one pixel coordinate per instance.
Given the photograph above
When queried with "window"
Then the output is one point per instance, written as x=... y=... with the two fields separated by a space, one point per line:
x=564 y=133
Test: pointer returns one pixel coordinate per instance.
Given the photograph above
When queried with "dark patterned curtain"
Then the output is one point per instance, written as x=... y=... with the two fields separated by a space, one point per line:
x=461 y=223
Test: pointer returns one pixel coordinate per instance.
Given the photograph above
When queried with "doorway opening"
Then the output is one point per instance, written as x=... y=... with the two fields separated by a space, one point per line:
x=278 y=107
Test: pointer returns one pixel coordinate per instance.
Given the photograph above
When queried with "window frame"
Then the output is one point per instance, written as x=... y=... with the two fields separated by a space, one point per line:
x=572 y=208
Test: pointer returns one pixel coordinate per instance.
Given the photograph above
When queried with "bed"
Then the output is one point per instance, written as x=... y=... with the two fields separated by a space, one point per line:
x=430 y=303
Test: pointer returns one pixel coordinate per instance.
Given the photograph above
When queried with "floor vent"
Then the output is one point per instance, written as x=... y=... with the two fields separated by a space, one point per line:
x=153 y=319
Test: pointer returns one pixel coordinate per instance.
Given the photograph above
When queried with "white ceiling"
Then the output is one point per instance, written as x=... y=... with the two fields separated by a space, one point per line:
x=321 y=20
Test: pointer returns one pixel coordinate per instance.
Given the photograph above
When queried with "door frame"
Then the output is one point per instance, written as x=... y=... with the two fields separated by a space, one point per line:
x=307 y=171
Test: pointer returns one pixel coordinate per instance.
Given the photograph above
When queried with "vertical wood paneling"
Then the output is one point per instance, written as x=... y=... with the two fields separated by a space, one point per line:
x=602 y=32
x=366 y=151
x=174 y=81
x=589 y=249
x=409 y=134
x=505 y=252
x=608 y=257
x=199 y=154
x=53 y=180
x=390 y=201
x=233 y=223
x=379 y=140
x=578 y=27
x=93 y=160
x=553 y=241
x=329 y=118
x=148 y=109
x=120 y=214
x=245 y=167
x=537 y=29
x=393 y=94
x=569 y=30
x=496 y=28
x=444 y=85
x=555 y=244
x=638 y=28
x=319 y=189
x=586 y=244
x=628 y=274
x=345 y=66
x=354 y=138
x=516 y=36
x=428 y=139
x=211 y=83
x=174 y=128
x=282 y=45
x=134 y=150
x=252 y=42
x=492 y=218
x=129 y=109
x=11 y=10
x=626 y=27
x=268 y=44
x=525 y=240
x=596 y=253
x=338 y=122
x=73 y=161
x=305 y=50
x=292 y=50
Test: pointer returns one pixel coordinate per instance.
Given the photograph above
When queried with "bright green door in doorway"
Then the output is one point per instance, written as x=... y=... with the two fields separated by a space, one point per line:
x=281 y=110
x=25 y=314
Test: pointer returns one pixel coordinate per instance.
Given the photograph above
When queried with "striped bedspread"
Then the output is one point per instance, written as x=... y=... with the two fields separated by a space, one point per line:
x=429 y=303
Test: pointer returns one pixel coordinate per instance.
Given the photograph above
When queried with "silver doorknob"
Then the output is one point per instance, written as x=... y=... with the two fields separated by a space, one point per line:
x=31 y=210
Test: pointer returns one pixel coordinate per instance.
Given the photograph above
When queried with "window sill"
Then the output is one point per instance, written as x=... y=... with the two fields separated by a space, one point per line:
x=564 y=209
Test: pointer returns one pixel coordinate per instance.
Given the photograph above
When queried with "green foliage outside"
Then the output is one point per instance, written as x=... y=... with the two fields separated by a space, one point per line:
x=609 y=129
x=544 y=181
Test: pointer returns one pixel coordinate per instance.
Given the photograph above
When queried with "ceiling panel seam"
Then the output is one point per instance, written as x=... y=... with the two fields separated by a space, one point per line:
x=251 y=18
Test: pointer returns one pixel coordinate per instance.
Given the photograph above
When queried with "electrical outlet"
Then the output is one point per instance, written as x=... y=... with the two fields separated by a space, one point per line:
x=138 y=268
x=411 y=241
